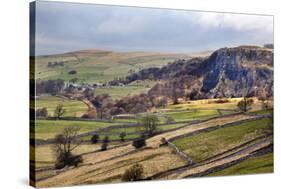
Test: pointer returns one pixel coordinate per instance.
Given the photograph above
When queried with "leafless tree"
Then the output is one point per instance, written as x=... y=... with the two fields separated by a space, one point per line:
x=63 y=146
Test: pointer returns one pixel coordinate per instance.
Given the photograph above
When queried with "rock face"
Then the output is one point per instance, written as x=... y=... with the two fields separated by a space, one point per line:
x=228 y=72
x=237 y=71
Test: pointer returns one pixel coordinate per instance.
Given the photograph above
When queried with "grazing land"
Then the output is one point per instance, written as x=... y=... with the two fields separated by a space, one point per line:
x=74 y=108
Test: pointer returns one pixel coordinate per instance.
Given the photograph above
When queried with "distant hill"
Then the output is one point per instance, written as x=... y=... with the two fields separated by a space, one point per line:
x=226 y=72
x=93 y=65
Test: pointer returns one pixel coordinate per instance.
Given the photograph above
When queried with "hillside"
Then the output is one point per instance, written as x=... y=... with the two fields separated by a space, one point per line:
x=98 y=66
x=229 y=72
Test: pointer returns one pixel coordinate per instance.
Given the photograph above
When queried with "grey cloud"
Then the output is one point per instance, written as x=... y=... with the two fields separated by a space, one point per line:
x=63 y=27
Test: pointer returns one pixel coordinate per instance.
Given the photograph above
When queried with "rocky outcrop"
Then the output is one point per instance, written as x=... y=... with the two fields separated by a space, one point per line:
x=228 y=72
x=236 y=70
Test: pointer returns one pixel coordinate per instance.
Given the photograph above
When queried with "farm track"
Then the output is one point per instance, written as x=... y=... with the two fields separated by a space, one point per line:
x=258 y=148
x=120 y=154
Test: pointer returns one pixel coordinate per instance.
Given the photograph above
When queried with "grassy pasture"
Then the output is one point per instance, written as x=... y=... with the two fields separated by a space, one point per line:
x=45 y=157
x=44 y=154
x=253 y=165
x=205 y=145
x=100 y=66
x=74 y=108
x=187 y=115
x=46 y=129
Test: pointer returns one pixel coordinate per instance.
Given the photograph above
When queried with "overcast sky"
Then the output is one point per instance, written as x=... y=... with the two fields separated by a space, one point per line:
x=64 y=27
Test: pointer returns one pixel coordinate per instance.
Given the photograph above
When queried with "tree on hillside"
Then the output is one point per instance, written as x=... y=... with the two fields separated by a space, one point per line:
x=150 y=122
x=63 y=146
x=245 y=104
x=59 y=111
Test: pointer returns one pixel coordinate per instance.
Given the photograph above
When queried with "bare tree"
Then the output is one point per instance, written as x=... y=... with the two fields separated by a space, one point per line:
x=63 y=146
x=59 y=111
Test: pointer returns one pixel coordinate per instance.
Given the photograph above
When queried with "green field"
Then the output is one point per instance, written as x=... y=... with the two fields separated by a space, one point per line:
x=46 y=129
x=253 y=165
x=205 y=145
x=74 y=108
x=100 y=66
x=188 y=115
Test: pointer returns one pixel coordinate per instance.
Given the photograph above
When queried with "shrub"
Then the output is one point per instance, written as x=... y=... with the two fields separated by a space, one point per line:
x=138 y=143
x=134 y=173
x=122 y=136
x=72 y=72
x=104 y=146
x=95 y=138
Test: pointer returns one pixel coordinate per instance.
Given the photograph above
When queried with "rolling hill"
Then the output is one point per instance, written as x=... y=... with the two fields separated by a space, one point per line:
x=99 y=65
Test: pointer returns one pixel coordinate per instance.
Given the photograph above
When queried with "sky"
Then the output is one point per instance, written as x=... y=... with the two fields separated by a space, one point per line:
x=65 y=27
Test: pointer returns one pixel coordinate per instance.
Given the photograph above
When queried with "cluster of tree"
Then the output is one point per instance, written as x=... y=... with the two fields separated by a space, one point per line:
x=170 y=71
x=55 y=64
x=63 y=147
x=107 y=107
x=96 y=137
x=50 y=86
x=41 y=112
